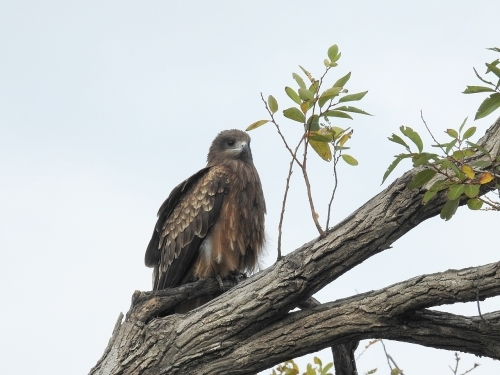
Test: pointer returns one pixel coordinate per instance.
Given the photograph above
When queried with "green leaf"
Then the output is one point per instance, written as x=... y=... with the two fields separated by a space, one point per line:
x=423 y=158
x=312 y=123
x=449 y=209
x=314 y=87
x=481 y=163
x=333 y=64
x=256 y=124
x=458 y=155
x=447 y=164
x=440 y=185
x=272 y=103
x=429 y=194
x=448 y=145
x=342 y=81
x=393 y=165
x=327 y=367
x=414 y=136
x=480 y=148
x=397 y=139
x=333 y=52
x=307 y=74
x=336 y=113
x=292 y=94
x=299 y=80
x=471 y=191
x=475 y=89
x=322 y=149
x=494 y=49
x=469 y=132
x=352 y=109
x=474 y=203
x=320 y=136
x=349 y=160
x=328 y=94
x=455 y=191
x=352 y=97
x=317 y=361
x=469 y=152
x=294 y=114
x=373 y=371
x=421 y=178
x=310 y=370
x=489 y=104
x=462 y=126
x=305 y=94
x=493 y=68
x=336 y=131
x=435 y=188
x=452 y=133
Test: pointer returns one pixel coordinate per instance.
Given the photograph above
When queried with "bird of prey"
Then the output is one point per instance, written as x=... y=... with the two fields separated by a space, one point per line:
x=211 y=224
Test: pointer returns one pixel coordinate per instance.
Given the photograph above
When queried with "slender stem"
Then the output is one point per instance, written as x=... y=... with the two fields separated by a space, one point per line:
x=311 y=203
x=482 y=79
x=314 y=214
x=432 y=135
x=279 y=132
x=386 y=355
x=282 y=215
x=335 y=161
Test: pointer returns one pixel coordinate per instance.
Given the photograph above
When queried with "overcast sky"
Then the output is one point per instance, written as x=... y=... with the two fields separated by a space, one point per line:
x=105 y=106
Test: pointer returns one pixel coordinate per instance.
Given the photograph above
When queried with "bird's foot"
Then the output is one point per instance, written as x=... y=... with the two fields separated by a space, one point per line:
x=221 y=283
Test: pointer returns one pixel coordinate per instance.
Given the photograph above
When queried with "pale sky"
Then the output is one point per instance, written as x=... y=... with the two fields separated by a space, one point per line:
x=105 y=106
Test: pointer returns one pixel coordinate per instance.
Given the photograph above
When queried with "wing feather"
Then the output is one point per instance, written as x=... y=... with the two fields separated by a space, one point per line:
x=183 y=222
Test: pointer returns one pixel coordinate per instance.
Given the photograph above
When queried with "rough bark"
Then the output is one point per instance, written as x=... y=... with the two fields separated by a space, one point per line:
x=251 y=327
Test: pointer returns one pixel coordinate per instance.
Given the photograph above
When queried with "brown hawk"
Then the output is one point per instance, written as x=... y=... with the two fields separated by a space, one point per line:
x=211 y=224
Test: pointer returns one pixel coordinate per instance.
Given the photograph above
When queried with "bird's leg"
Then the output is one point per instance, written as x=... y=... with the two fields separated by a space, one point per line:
x=221 y=284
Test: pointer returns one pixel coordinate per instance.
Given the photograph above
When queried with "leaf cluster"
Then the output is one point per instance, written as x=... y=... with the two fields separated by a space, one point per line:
x=452 y=171
x=315 y=107
x=291 y=368
x=492 y=102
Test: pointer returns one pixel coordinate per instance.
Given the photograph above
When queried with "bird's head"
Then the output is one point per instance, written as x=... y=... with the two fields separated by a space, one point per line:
x=230 y=145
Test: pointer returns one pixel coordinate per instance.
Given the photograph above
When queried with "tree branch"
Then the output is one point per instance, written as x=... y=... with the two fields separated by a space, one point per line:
x=250 y=327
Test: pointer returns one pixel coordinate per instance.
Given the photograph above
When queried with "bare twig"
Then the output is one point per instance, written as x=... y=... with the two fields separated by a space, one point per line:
x=311 y=203
x=457 y=359
x=335 y=161
x=482 y=79
x=472 y=368
x=279 y=132
x=366 y=347
x=314 y=214
x=386 y=355
x=429 y=131
x=282 y=215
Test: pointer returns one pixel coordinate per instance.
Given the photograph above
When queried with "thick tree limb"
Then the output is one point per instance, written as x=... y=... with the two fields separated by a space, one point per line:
x=148 y=305
x=344 y=359
x=250 y=327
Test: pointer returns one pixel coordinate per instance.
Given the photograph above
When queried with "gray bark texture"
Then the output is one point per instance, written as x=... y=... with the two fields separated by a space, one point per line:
x=252 y=327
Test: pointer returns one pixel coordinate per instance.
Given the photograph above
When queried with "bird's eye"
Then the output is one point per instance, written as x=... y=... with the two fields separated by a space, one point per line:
x=230 y=142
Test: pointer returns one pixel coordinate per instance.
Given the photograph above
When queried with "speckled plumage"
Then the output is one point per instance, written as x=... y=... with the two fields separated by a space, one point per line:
x=213 y=222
